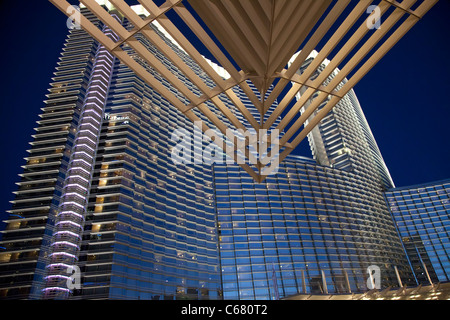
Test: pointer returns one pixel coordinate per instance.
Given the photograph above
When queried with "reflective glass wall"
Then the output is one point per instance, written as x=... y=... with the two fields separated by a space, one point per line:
x=309 y=228
x=422 y=216
x=151 y=224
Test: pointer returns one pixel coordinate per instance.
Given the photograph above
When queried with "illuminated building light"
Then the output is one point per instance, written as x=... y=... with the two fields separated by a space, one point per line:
x=71 y=213
x=65 y=232
x=64 y=254
x=57 y=276
x=56 y=289
x=69 y=222
x=65 y=243
x=58 y=265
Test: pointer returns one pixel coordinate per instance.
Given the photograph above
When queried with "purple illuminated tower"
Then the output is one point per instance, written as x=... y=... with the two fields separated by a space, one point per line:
x=53 y=193
x=100 y=195
x=69 y=222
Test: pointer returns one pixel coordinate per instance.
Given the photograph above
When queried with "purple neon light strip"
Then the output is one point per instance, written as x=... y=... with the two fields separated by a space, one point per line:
x=93 y=103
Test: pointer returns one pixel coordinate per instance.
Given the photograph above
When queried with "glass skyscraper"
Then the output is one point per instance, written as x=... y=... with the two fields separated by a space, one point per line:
x=422 y=215
x=317 y=225
x=100 y=191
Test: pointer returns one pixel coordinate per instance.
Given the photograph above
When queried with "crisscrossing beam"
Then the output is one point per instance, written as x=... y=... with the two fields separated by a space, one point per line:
x=255 y=42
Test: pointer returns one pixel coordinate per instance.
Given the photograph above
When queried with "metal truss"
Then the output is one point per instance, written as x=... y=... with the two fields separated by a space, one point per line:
x=260 y=36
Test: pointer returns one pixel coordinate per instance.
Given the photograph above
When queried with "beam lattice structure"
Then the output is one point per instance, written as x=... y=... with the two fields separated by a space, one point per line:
x=254 y=41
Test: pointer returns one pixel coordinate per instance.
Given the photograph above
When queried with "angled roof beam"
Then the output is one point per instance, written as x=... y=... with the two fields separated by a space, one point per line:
x=365 y=68
x=258 y=20
x=326 y=50
x=231 y=11
x=184 y=13
x=148 y=78
x=224 y=86
x=151 y=60
x=403 y=7
x=221 y=15
x=340 y=56
x=166 y=7
x=280 y=44
x=171 y=55
x=300 y=59
x=328 y=87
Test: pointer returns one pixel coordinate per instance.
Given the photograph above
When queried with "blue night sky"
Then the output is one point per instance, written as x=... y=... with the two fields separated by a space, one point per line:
x=405 y=96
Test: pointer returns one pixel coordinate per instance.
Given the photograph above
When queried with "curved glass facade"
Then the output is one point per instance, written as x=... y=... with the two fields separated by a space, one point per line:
x=282 y=234
x=422 y=216
x=343 y=138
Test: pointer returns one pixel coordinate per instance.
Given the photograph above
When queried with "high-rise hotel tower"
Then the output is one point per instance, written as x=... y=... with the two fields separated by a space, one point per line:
x=101 y=199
